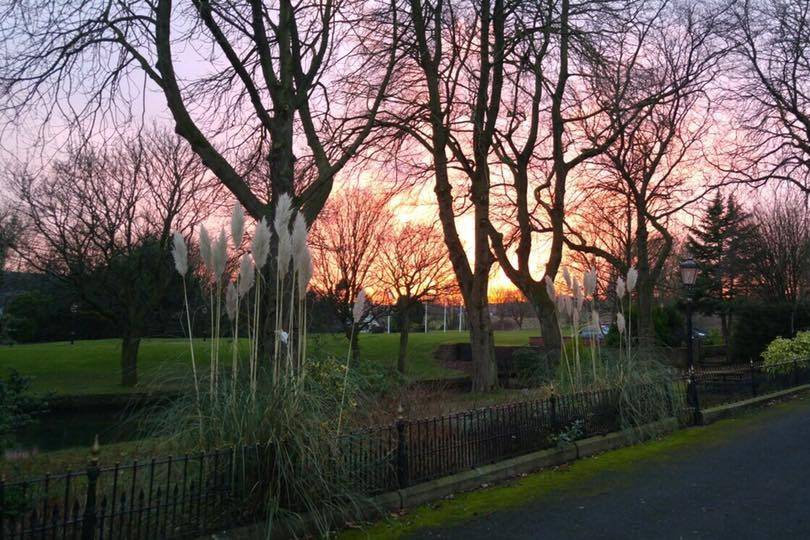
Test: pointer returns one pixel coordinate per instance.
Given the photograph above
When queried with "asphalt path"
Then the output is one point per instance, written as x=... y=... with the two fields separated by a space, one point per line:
x=754 y=484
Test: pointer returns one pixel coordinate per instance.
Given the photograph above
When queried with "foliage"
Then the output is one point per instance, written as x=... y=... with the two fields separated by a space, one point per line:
x=668 y=323
x=759 y=323
x=532 y=367
x=570 y=433
x=17 y=407
x=783 y=355
x=723 y=243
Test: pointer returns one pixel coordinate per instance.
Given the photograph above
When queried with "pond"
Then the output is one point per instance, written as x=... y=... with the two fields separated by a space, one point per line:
x=58 y=430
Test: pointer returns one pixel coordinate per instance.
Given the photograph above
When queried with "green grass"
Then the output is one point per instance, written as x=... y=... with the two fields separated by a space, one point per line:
x=93 y=367
x=592 y=475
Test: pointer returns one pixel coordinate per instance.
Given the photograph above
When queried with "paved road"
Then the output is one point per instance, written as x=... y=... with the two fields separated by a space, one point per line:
x=754 y=484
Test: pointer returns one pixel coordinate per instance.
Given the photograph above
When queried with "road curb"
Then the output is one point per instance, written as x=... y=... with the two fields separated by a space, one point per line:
x=713 y=414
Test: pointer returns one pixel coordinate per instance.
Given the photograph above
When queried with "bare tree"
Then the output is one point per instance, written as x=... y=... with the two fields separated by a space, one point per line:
x=414 y=267
x=449 y=97
x=275 y=97
x=510 y=304
x=770 y=92
x=782 y=261
x=101 y=221
x=648 y=170
x=578 y=82
x=346 y=244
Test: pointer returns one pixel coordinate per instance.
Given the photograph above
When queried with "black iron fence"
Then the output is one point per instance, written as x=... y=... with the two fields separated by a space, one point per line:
x=189 y=496
x=723 y=385
x=173 y=497
x=412 y=451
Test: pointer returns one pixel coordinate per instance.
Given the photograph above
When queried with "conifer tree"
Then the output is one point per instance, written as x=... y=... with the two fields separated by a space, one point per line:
x=722 y=243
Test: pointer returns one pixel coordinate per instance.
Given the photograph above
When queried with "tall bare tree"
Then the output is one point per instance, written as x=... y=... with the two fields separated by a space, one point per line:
x=413 y=266
x=770 y=92
x=101 y=221
x=782 y=261
x=449 y=97
x=613 y=70
x=275 y=97
x=346 y=244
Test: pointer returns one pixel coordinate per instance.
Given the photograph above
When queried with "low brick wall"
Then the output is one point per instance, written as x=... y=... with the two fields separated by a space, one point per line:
x=461 y=352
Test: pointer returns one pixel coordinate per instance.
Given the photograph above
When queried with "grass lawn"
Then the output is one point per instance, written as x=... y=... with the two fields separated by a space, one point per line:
x=93 y=367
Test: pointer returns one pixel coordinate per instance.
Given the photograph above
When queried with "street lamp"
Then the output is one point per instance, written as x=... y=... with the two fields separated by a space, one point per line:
x=689 y=273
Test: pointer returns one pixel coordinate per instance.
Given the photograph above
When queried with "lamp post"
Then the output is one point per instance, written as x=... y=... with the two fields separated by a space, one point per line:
x=689 y=273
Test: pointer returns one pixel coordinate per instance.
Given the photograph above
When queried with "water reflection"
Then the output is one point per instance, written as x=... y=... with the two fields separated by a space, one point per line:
x=70 y=429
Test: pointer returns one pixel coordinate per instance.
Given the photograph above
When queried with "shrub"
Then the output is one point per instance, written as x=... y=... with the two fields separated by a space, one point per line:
x=668 y=324
x=17 y=407
x=782 y=354
x=757 y=324
x=532 y=367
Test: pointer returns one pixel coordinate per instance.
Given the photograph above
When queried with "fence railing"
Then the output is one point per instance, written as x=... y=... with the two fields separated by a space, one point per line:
x=189 y=496
x=743 y=381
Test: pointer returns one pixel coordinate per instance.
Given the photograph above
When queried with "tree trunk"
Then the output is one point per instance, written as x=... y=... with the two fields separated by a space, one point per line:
x=644 y=314
x=546 y=314
x=129 y=360
x=645 y=285
x=354 y=342
x=404 y=329
x=482 y=344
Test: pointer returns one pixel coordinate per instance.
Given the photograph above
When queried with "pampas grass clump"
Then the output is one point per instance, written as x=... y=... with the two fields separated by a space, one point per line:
x=271 y=404
x=645 y=386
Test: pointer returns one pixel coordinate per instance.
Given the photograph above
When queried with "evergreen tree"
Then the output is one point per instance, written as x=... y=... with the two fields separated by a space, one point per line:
x=723 y=245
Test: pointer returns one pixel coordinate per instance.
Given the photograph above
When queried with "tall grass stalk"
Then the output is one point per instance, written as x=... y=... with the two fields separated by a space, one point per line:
x=357 y=315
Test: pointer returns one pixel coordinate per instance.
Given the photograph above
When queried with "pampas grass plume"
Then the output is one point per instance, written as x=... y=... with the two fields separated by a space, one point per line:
x=552 y=294
x=561 y=305
x=246 y=275
x=281 y=220
x=579 y=297
x=230 y=301
x=237 y=225
x=180 y=253
x=261 y=244
x=567 y=278
x=205 y=248
x=219 y=254
x=632 y=278
x=620 y=324
x=359 y=306
x=299 y=240
x=620 y=288
x=284 y=251
x=589 y=281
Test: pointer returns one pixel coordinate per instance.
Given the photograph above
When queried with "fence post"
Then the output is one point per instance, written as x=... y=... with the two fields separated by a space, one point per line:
x=89 y=517
x=753 y=379
x=553 y=410
x=402 y=453
x=692 y=396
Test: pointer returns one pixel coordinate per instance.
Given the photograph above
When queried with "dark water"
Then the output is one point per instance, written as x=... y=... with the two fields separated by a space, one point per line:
x=74 y=429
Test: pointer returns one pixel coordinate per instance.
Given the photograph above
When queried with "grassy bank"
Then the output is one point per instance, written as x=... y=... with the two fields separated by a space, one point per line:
x=92 y=367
